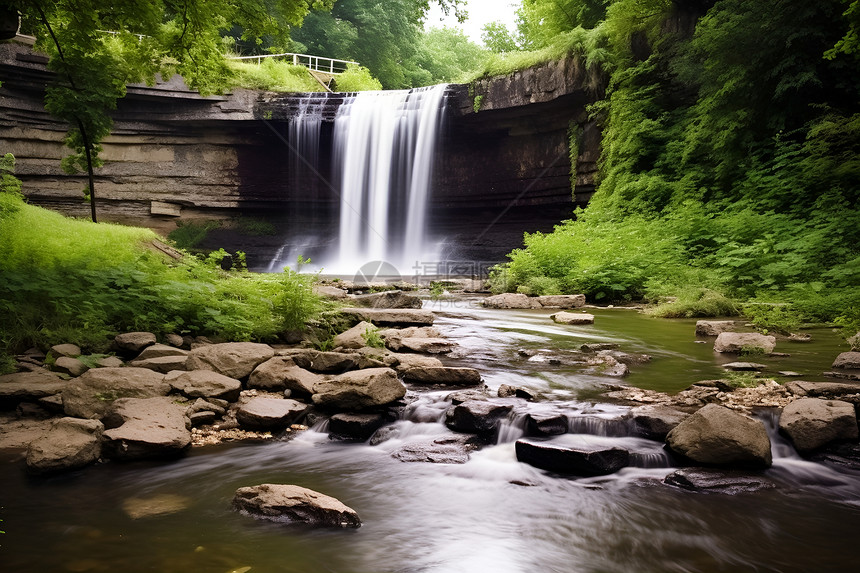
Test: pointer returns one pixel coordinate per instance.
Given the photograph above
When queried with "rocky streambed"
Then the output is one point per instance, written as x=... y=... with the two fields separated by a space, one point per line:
x=501 y=439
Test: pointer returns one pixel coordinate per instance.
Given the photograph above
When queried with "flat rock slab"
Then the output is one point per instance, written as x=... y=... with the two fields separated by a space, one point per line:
x=737 y=342
x=204 y=384
x=91 y=394
x=263 y=413
x=403 y=362
x=160 y=350
x=546 y=424
x=511 y=300
x=331 y=292
x=233 y=359
x=572 y=318
x=146 y=428
x=745 y=366
x=282 y=373
x=730 y=482
x=163 y=364
x=355 y=337
x=714 y=327
x=426 y=345
x=812 y=423
x=822 y=389
x=476 y=416
x=70 y=444
x=446 y=450
x=28 y=387
x=392 y=317
x=359 y=390
x=716 y=435
x=443 y=375
x=292 y=504
x=71 y=366
x=574 y=461
x=561 y=300
x=387 y=299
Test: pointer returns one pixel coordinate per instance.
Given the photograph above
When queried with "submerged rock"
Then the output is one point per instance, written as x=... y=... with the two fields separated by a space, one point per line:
x=812 y=423
x=355 y=427
x=721 y=481
x=294 y=505
x=71 y=443
x=716 y=435
x=569 y=460
x=476 y=416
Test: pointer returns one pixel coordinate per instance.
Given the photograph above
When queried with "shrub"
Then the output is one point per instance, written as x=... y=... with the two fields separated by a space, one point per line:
x=356 y=79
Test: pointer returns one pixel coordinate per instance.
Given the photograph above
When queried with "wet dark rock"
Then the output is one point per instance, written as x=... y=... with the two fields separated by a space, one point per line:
x=263 y=413
x=655 y=422
x=812 y=423
x=355 y=427
x=359 y=390
x=508 y=391
x=842 y=454
x=730 y=482
x=292 y=504
x=476 y=416
x=146 y=428
x=447 y=450
x=234 y=359
x=598 y=346
x=546 y=424
x=71 y=443
x=443 y=375
x=387 y=299
x=91 y=394
x=716 y=435
x=574 y=461
x=744 y=366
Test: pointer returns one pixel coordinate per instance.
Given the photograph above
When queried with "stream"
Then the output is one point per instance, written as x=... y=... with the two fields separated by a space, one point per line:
x=490 y=514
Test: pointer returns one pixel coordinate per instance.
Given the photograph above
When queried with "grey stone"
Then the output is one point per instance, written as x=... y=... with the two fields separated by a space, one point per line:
x=387 y=299
x=392 y=317
x=714 y=327
x=356 y=427
x=330 y=292
x=508 y=391
x=204 y=384
x=68 y=350
x=173 y=340
x=546 y=424
x=159 y=350
x=562 y=300
x=354 y=337
x=745 y=366
x=656 y=421
x=427 y=345
x=445 y=450
x=716 y=435
x=146 y=428
x=847 y=360
x=573 y=318
x=91 y=394
x=465 y=395
x=281 y=373
x=568 y=460
x=729 y=482
x=28 y=387
x=71 y=443
x=476 y=416
x=292 y=504
x=163 y=364
x=443 y=375
x=326 y=362
x=233 y=359
x=511 y=300
x=109 y=362
x=270 y=413
x=359 y=390
x=812 y=423
x=134 y=342
x=737 y=342
x=71 y=366
x=403 y=362
x=822 y=389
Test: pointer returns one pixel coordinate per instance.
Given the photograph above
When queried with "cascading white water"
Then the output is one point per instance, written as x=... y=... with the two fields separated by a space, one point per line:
x=384 y=147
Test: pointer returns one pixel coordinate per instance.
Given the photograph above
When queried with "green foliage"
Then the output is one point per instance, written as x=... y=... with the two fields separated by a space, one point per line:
x=67 y=280
x=256 y=227
x=372 y=338
x=8 y=182
x=497 y=38
x=272 y=75
x=696 y=303
x=781 y=318
x=188 y=234
x=444 y=55
x=356 y=79
x=477 y=102
x=743 y=379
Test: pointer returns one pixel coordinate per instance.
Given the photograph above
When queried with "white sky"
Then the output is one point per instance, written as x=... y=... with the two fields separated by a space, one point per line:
x=480 y=12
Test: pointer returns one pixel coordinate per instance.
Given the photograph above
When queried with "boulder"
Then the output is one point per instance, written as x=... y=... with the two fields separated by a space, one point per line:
x=822 y=389
x=354 y=427
x=655 y=421
x=146 y=428
x=281 y=373
x=392 y=317
x=737 y=342
x=508 y=391
x=844 y=374
x=204 y=384
x=67 y=350
x=359 y=390
x=330 y=292
x=163 y=364
x=572 y=318
x=28 y=387
x=847 y=360
x=442 y=375
x=71 y=366
x=561 y=300
x=91 y=394
x=445 y=450
x=812 y=423
x=233 y=359
x=326 y=362
x=387 y=299
x=714 y=327
x=134 y=342
x=716 y=435
x=159 y=350
x=476 y=416
x=720 y=481
x=550 y=424
x=510 y=300
x=71 y=443
x=403 y=362
x=173 y=340
x=588 y=461
x=465 y=395
x=354 y=337
x=109 y=362
x=270 y=413
x=426 y=345
x=854 y=342
x=294 y=505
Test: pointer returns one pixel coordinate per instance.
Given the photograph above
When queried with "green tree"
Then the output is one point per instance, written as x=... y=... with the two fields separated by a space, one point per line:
x=96 y=47
x=540 y=21
x=444 y=55
x=497 y=38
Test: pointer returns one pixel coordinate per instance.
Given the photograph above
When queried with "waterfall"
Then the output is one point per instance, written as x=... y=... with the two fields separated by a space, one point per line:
x=384 y=149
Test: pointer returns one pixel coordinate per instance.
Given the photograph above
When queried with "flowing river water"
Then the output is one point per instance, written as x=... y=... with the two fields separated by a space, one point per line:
x=490 y=514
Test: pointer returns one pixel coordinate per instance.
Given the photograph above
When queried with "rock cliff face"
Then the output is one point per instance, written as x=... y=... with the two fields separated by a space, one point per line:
x=176 y=156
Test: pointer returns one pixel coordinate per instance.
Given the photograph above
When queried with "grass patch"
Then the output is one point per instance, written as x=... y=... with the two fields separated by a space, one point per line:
x=743 y=380
x=696 y=303
x=188 y=235
x=272 y=75
x=256 y=227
